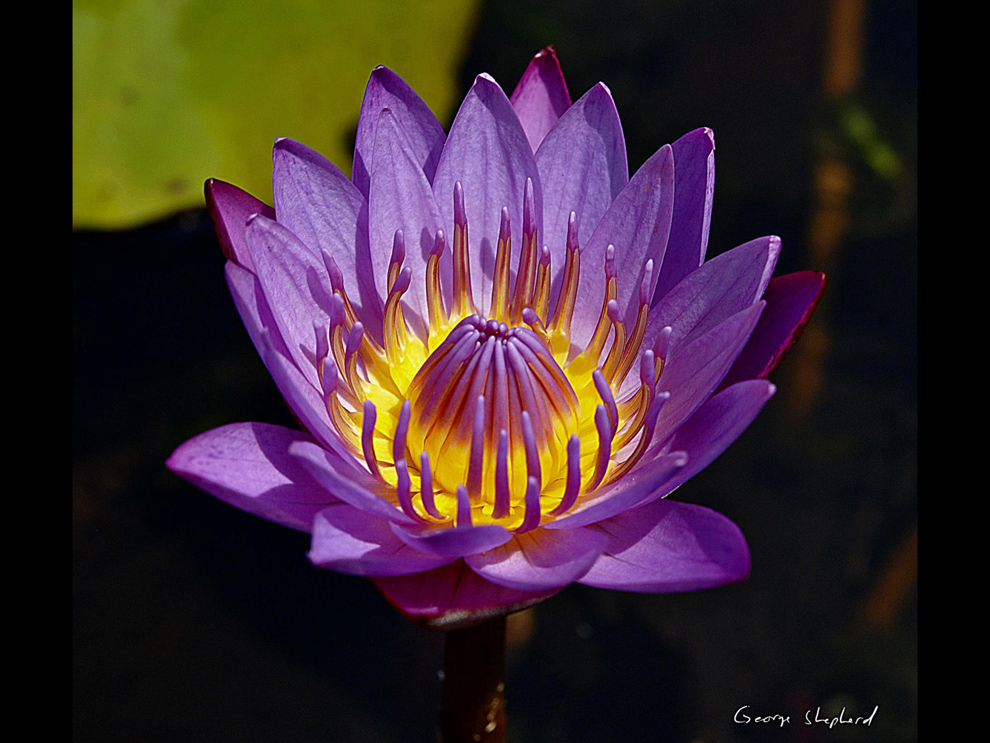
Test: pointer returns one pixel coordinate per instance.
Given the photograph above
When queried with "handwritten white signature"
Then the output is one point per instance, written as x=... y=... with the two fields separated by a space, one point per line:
x=743 y=718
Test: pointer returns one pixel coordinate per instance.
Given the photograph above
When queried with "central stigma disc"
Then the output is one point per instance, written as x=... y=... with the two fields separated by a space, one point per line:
x=491 y=407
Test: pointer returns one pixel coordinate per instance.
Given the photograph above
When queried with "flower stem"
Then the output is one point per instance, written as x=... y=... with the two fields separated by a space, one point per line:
x=472 y=704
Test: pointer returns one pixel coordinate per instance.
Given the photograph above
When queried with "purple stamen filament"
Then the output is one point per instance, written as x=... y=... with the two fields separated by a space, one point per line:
x=491 y=421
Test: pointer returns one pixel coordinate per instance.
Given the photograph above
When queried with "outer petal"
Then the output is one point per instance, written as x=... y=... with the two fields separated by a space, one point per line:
x=640 y=484
x=541 y=96
x=791 y=300
x=296 y=288
x=320 y=206
x=425 y=134
x=668 y=546
x=540 y=560
x=229 y=209
x=713 y=429
x=453 y=597
x=723 y=286
x=694 y=188
x=248 y=466
x=350 y=541
x=453 y=541
x=304 y=399
x=488 y=153
x=351 y=485
x=694 y=369
x=401 y=199
x=583 y=166
x=637 y=224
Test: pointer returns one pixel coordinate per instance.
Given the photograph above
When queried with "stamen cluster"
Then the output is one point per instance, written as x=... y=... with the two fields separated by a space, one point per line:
x=502 y=418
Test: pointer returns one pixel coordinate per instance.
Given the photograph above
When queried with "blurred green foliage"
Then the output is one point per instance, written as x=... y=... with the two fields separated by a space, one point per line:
x=861 y=130
x=167 y=93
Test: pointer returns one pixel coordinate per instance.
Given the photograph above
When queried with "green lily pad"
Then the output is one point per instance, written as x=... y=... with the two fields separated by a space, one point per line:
x=169 y=93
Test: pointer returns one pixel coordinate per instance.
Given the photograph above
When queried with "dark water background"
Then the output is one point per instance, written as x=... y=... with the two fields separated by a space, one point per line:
x=195 y=622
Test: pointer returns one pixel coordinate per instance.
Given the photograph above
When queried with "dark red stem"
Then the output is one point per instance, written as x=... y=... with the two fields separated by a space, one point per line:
x=472 y=704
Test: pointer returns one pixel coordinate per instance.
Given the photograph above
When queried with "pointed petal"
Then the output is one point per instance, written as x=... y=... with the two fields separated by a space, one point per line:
x=229 y=209
x=315 y=201
x=694 y=369
x=488 y=153
x=351 y=541
x=540 y=560
x=248 y=465
x=400 y=198
x=451 y=541
x=321 y=207
x=667 y=547
x=637 y=223
x=713 y=428
x=791 y=300
x=425 y=134
x=453 y=597
x=723 y=286
x=583 y=166
x=303 y=398
x=627 y=492
x=694 y=188
x=541 y=96
x=296 y=287
x=351 y=485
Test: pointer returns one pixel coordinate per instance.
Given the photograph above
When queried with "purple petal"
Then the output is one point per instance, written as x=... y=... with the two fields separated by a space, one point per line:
x=253 y=308
x=583 y=166
x=713 y=428
x=728 y=283
x=401 y=199
x=694 y=369
x=453 y=597
x=424 y=133
x=248 y=465
x=348 y=483
x=694 y=187
x=667 y=547
x=791 y=300
x=296 y=287
x=229 y=209
x=451 y=541
x=541 y=96
x=540 y=560
x=628 y=491
x=321 y=207
x=637 y=223
x=487 y=152
x=723 y=286
x=303 y=398
x=351 y=541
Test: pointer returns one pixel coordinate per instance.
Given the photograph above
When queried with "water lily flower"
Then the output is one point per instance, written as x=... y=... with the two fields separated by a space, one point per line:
x=504 y=351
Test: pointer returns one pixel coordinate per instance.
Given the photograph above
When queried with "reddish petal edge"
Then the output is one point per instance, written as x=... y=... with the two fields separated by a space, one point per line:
x=453 y=597
x=781 y=286
x=229 y=208
x=790 y=302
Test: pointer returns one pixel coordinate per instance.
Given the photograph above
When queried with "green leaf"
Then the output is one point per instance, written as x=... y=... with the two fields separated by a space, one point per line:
x=169 y=93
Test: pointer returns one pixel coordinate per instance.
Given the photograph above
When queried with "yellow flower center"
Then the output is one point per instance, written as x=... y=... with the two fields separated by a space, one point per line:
x=490 y=419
